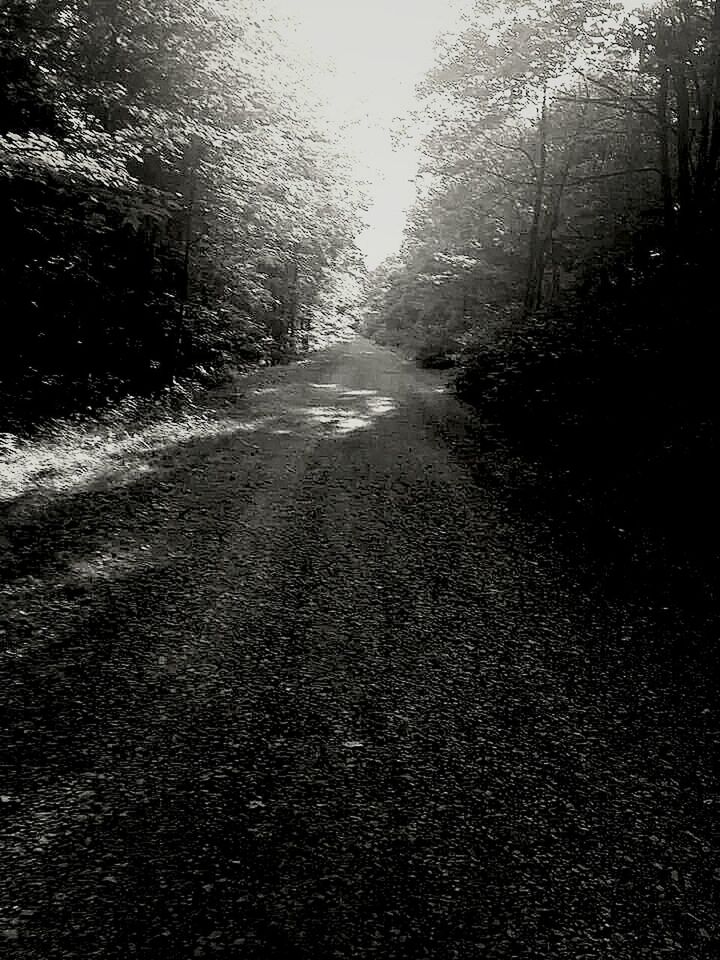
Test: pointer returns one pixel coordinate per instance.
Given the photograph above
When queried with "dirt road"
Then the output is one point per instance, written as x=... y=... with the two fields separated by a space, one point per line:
x=298 y=687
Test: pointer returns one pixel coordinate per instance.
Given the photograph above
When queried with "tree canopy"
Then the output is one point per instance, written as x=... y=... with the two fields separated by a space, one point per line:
x=561 y=250
x=567 y=143
x=172 y=195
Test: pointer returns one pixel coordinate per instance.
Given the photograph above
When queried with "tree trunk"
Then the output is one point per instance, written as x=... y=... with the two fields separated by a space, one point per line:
x=714 y=110
x=709 y=184
x=536 y=265
x=182 y=336
x=683 y=148
x=664 y=156
x=293 y=304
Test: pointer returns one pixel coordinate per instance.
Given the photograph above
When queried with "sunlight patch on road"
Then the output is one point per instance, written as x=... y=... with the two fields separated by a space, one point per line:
x=378 y=405
x=350 y=424
x=323 y=414
x=348 y=417
x=375 y=406
x=70 y=459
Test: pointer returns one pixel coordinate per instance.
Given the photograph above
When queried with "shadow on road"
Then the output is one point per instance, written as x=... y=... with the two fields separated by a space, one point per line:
x=302 y=689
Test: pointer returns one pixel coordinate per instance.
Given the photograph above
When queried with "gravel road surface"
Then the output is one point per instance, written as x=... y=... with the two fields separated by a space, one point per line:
x=301 y=688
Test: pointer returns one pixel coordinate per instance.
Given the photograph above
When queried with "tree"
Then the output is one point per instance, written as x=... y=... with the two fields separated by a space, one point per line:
x=567 y=227
x=168 y=165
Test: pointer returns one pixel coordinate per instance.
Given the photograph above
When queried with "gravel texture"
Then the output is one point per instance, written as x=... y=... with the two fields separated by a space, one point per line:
x=297 y=687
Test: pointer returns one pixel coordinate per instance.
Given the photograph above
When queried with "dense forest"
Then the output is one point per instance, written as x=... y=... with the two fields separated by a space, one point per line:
x=404 y=647
x=563 y=247
x=172 y=198
x=176 y=202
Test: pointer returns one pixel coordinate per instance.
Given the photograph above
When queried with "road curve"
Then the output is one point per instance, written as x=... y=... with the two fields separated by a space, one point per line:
x=299 y=688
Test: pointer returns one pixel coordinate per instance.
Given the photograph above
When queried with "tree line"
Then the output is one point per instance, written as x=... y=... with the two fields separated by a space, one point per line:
x=564 y=242
x=172 y=198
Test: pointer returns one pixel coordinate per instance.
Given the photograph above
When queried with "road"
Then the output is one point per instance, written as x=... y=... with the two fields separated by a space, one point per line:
x=297 y=686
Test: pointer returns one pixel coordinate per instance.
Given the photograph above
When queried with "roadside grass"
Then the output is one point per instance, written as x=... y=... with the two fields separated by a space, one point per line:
x=67 y=454
x=119 y=442
x=63 y=454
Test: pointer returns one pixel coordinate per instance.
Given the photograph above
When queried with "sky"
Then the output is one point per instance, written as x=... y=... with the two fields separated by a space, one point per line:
x=379 y=49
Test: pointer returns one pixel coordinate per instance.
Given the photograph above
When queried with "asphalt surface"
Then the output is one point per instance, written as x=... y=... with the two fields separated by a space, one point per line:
x=302 y=688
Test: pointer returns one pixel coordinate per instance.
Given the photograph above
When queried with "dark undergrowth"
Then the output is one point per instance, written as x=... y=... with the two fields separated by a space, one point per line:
x=604 y=426
x=37 y=408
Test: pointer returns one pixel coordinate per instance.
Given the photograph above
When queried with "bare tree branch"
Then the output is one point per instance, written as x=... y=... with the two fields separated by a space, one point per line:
x=613 y=173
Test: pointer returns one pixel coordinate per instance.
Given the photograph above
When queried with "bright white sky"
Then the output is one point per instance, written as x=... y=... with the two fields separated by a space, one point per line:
x=380 y=50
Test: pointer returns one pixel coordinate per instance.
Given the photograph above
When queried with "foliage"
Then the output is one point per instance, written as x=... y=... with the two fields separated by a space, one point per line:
x=171 y=196
x=564 y=234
